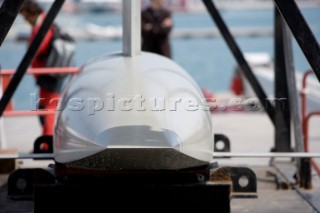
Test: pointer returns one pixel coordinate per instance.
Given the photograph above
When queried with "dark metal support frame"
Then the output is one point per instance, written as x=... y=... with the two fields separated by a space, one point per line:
x=170 y=190
x=302 y=32
x=284 y=74
x=282 y=113
x=245 y=68
x=303 y=175
x=8 y=13
x=311 y=49
x=24 y=64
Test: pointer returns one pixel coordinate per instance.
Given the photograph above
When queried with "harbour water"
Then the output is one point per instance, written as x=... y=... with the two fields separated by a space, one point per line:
x=208 y=60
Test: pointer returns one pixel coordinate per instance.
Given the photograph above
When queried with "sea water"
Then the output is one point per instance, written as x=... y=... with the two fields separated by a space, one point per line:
x=208 y=60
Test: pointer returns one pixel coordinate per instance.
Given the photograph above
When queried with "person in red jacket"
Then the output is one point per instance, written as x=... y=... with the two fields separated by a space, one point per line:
x=49 y=88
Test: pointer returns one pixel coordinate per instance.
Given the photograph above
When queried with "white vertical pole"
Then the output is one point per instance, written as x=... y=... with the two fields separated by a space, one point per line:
x=131 y=18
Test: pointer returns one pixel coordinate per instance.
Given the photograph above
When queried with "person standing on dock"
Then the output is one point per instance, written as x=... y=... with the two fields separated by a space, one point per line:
x=49 y=85
x=156 y=27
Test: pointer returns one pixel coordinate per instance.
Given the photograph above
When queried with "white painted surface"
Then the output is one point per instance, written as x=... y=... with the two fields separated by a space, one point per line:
x=117 y=119
x=131 y=27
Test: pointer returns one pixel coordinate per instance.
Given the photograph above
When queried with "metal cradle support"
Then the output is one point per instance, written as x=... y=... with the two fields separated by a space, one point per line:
x=302 y=32
x=143 y=191
x=221 y=143
x=284 y=37
x=245 y=68
x=8 y=13
x=282 y=110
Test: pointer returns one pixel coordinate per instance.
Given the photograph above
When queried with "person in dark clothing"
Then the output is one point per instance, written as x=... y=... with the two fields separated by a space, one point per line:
x=156 y=27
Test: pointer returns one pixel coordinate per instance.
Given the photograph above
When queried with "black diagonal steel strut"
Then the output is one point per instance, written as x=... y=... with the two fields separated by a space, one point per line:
x=302 y=32
x=282 y=108
x=304 y=165
x=24 y=64
x=8 y=13
x=240 y=58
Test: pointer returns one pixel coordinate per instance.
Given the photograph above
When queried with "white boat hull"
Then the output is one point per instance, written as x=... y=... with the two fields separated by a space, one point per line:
x=263 y=68
x=146 y=102
x=265 y=77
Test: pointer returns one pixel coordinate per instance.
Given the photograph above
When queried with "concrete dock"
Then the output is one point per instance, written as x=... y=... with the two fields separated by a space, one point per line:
x=247 y=131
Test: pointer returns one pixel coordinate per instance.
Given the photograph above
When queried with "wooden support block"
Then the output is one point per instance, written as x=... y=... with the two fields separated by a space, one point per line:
x=7 y=165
